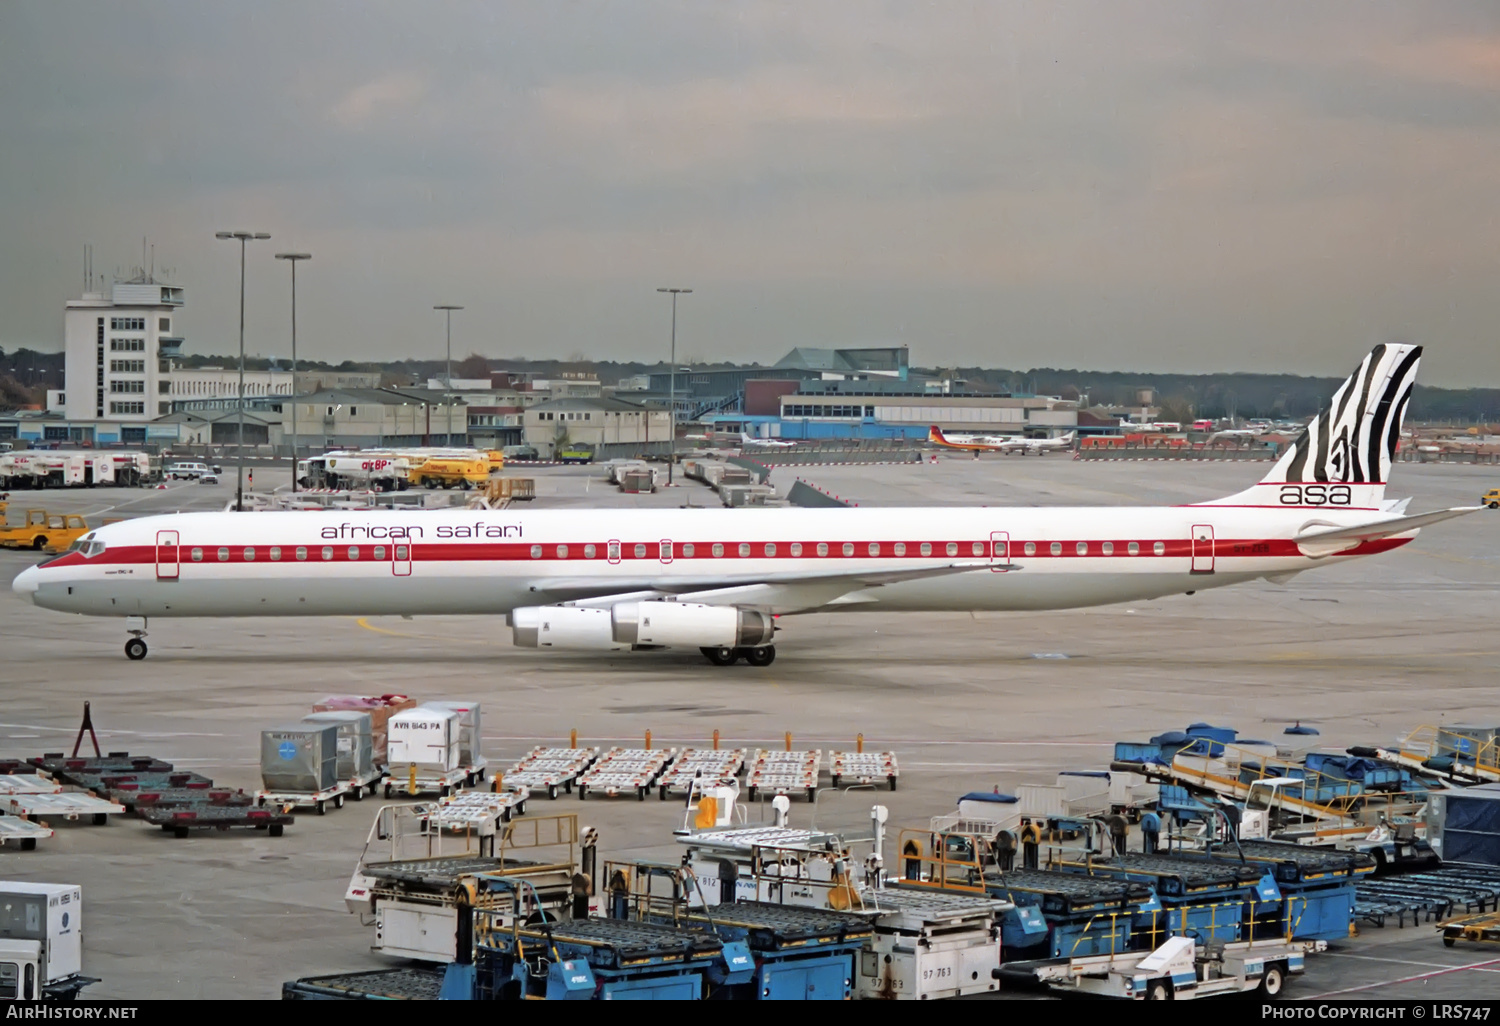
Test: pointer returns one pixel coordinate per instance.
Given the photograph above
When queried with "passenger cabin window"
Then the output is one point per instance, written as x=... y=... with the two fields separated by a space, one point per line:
x=796 y=548
x=1160 y=548
x=1055 y=548
x=197 y=555
x=770 y=548
x=952 y=549
x=249 y=554
x=744 y=548
x=1133 y=548
x=379 y=552
x=1083 y=548
x=301 y=552
x=848 y=548
x=223 y=555
x=718 y=549
x=354 y=552
x=640 y=551
x=588 y=552
x=327 y=552
x=1108 y=548
x=1030 y=548
x=926 y=549
x=275 y=553
x=977 y=548
x=900 y=548
x=822 y=548
x=562 y=552
x=687 y=550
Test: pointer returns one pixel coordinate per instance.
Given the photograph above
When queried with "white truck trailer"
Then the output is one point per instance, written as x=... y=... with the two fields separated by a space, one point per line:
x=41 y=941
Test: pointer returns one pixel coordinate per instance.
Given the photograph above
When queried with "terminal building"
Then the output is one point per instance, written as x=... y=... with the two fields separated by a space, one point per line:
x=868 y=394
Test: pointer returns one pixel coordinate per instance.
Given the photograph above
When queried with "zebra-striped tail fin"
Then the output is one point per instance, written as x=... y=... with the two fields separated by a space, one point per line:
x=1343 y=456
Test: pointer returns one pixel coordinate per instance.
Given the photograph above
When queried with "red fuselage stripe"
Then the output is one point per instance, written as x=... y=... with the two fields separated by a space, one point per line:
x=523 y=552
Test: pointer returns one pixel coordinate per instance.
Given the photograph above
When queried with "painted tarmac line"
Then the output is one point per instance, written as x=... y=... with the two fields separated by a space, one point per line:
x=1396 y=961
x=1405 y=979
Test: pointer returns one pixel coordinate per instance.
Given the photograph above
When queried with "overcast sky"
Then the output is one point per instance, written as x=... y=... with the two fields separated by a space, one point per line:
x=1194 y=185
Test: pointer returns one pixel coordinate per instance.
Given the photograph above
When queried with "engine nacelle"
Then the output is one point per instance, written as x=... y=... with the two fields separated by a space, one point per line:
x=690 y=624
x=563 y=627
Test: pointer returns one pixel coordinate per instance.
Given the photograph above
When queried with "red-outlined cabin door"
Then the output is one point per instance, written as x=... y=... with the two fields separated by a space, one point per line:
x=168 y=564
x=999 y=550
x=1203 y=549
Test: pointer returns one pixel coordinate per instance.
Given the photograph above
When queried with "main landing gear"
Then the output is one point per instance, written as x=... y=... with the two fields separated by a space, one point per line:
x=760 y=655
x=135 y=648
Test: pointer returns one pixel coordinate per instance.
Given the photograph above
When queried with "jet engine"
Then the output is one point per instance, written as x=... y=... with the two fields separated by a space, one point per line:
x=690 y=625
x=562 y=627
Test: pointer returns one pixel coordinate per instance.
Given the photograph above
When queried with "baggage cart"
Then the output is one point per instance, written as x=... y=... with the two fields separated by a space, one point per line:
x=625 y=770
x=315 y=800
x=22 y=832
x=1178 y=970
x=702 y=768
x=69 y=805
x=479 y=812
x=551 y=769
x=864 y=768
x=179 y=820
x=773 y=773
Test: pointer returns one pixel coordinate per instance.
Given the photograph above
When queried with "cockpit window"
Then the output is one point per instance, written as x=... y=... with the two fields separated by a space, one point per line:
x=92 y=549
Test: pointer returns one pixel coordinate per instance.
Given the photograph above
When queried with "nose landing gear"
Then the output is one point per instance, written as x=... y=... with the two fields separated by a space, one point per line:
x=135 y=648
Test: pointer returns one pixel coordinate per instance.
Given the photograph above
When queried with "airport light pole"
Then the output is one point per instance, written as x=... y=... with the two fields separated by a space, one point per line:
x=448 y=312
x=292 y=259
x=672 y=389
x=243 y=237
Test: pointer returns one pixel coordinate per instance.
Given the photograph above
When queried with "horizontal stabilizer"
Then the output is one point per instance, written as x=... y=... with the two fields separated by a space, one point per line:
x=1327 y=541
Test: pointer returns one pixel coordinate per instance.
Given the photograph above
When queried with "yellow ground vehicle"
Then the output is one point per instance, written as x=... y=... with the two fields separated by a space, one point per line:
x=451 y=471
x=1491 y=499
x=42 y=530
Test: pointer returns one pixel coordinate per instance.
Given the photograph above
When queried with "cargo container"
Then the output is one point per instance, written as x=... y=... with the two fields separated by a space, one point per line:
x=299 y=766
x=41 y=941
x=356 y=749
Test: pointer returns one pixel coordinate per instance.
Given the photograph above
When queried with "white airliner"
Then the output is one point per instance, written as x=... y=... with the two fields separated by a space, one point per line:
x=714 y=579
x=999 y=443
x=764 y=443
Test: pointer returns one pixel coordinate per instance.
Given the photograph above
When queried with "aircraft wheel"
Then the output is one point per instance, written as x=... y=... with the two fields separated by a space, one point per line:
x=135 y=649
x=761 y=655
x=721 y=655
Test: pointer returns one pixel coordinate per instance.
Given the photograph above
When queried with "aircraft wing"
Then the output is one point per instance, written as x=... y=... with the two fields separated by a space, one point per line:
x=1327 y=541
x=781 y=592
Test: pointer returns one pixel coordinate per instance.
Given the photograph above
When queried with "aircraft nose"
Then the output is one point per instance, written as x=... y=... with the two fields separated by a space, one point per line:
x=26 y=582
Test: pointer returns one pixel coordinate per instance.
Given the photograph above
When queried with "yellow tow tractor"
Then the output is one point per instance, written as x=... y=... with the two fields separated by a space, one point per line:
x=1491 y=499
x=41 y=531
x=451 y=471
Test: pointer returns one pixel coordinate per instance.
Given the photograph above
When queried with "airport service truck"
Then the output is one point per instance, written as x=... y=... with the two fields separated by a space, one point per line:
x=41 y=941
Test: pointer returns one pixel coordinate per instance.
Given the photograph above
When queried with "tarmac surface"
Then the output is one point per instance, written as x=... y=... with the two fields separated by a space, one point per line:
x=1364 y=650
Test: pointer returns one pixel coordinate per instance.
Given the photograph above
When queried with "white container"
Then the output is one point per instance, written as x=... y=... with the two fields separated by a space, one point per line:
x=469 y=738
x=51 y=914
x=424 y=737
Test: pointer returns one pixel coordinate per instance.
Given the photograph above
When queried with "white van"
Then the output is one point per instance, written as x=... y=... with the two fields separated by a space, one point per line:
x=190 y=471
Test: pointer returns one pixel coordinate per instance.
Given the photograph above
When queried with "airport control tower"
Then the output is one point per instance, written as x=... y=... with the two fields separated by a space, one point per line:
x=119 y=348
